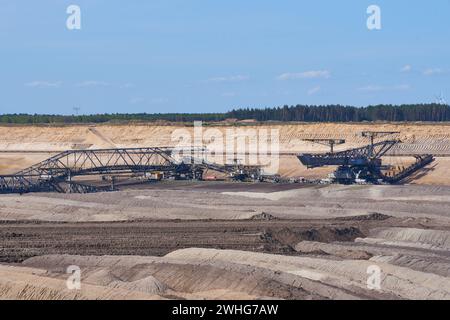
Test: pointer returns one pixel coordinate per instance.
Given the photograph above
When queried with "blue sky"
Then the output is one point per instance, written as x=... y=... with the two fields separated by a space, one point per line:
x=212 y=56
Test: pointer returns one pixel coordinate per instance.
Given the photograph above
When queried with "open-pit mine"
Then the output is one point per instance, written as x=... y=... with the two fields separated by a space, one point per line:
x=350 y=211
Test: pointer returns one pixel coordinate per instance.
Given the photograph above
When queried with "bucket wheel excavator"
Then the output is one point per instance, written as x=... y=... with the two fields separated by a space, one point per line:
x=364 y=164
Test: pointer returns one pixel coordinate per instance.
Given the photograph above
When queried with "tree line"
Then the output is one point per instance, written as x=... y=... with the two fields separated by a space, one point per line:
x=338 y=113
x=301 y=113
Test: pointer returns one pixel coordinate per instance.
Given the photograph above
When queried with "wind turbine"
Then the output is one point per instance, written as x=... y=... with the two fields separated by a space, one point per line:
x=440 y=99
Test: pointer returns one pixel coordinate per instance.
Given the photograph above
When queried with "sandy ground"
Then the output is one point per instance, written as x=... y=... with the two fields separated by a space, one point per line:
x=22 y=146
x=246 y=242
x=230 y=274
x=225 y=201
x=221 y=240
x=417 y=137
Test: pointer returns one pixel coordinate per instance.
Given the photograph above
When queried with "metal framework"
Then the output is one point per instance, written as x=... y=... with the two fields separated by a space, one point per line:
x=358 y=156
x=327 y=142
x=48 y=174
x=56 y=173
x=364 y=163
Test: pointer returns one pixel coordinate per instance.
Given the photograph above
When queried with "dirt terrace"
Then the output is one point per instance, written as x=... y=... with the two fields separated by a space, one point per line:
x=23 y=146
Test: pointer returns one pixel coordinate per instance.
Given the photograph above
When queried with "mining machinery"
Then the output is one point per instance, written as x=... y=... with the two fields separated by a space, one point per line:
x=59 y=173
x=364 y=164
x=327 y=142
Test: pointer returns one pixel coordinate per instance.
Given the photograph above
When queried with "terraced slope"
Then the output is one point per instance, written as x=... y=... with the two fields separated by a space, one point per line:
x=22 y=146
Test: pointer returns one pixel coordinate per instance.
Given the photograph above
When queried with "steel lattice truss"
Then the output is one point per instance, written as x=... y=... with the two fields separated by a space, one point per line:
x=51 y=174
x=366 y=161
x=44 y=175
x=360 y=156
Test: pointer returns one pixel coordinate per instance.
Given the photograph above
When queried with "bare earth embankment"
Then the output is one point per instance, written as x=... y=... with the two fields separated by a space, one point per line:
x=206 y=241
x=217 y=240
x=22 y=146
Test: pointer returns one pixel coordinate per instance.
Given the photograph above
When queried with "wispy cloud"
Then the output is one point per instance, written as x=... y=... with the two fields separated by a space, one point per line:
x=139 y=100
x=406 y=68
x=236 y=78
x=371 y=88
x=402 y=87
x=377 y=88
x=314 y=74
x=159 y=100
x=433 y=71
x=313 y=91
x=92 y=83
x=44 y=84
x=136 y=100
x=127 y=85
x=228 y=94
